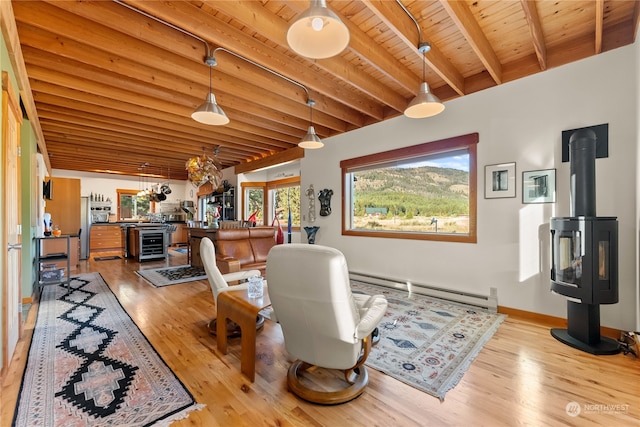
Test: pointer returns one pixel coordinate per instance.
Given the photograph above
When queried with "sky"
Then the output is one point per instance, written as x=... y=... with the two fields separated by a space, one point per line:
x=459 y=162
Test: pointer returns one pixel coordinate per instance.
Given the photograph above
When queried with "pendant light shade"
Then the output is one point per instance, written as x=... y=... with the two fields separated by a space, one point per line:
x=425 y=104
x=318 y=32
x=210 y=113
x=311 y=139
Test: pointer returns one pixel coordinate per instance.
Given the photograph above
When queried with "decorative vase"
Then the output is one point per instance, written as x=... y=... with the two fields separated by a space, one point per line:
x=311 y=234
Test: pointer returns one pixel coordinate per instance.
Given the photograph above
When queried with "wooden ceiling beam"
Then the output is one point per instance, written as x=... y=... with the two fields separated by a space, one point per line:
x=93 y=135
x=67 y=145
x=165 y=123
x=273 y=160
x=191 y=19
x=96 y=136
x=140 y=98
x=110 y=14
x=121 y=165
x=213 y=132
x=104 y=77
x=79 y=117
x=466 y=23
x=12 y=41
x=535 y=28
x=47 y=15
x=68 y=142
x=248 y=84
x=599 y=25
x=130 y=90
x=400 y=24
x=252 y=14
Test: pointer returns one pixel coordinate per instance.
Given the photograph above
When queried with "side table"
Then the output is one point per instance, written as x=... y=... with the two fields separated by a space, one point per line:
x=239 y=308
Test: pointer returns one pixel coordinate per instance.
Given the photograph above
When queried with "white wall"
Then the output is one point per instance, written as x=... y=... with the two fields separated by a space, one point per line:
x=520 y=122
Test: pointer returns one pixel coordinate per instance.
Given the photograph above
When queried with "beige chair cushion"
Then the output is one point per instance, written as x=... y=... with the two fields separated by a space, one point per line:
x=311 y=295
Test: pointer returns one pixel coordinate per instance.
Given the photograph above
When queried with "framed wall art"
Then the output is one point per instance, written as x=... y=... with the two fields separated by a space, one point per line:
x=500 y=181
x=539 y=186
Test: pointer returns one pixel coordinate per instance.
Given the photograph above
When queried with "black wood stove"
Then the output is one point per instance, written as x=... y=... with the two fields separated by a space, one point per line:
x=584 y=265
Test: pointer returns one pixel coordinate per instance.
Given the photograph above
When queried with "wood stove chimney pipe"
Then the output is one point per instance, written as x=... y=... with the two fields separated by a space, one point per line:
x=582 y=146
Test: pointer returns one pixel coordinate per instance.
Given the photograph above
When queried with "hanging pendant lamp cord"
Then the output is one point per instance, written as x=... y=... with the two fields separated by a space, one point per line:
x=210 y=79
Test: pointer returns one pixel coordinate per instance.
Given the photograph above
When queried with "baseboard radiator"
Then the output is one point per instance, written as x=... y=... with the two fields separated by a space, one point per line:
x=488 y=302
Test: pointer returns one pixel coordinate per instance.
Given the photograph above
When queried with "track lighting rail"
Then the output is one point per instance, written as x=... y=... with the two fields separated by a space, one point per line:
x=214 y=63
x=209 y=112
x=415 y=21
x=210 y=57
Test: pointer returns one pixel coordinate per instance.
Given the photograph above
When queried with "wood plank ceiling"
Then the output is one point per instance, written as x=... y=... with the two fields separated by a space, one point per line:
x=113 y=84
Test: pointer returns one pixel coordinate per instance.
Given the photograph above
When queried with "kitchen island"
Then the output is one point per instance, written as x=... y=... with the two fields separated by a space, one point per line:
x=124 y=237
x=145 y=242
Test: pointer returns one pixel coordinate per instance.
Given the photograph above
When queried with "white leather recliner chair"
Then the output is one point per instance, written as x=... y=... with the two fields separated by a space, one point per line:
x=323 y=323
x=220 y=283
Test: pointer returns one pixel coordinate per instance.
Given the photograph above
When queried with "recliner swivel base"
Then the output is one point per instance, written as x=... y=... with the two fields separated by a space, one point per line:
x=355 y=378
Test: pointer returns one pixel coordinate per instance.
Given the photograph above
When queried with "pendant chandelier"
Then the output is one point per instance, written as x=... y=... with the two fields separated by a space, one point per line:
x=203 y=169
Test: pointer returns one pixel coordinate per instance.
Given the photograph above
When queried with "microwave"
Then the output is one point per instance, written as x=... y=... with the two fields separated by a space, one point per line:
x=99 y=217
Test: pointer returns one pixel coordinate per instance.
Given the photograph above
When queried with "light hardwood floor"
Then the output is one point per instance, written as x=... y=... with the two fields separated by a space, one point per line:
x=523 y=376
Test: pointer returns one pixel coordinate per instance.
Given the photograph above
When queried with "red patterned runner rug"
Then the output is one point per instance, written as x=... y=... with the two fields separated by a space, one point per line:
x=90 y=365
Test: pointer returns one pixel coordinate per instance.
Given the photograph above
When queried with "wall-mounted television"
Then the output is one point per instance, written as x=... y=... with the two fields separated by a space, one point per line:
x=47 y=189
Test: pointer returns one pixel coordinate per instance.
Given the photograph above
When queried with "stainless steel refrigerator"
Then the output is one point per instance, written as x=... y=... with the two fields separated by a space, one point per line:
x=85 y=226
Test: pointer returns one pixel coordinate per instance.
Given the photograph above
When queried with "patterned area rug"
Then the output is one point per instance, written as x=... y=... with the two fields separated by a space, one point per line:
x=172 y=275
x=89 y=365
x=426 y=342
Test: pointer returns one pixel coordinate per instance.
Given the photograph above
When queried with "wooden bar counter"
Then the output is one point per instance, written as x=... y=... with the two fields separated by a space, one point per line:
x=195 y=236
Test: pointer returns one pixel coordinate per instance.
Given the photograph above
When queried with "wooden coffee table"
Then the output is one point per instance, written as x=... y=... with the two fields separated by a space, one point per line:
x=239 y=308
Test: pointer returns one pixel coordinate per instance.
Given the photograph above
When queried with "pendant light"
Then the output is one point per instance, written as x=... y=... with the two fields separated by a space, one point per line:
x=318 y=32
x=311 y=139
x=425 y=104
x=210 y=113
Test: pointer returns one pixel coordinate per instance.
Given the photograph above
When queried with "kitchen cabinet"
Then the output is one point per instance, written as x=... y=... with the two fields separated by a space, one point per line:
x=64 y=205
x=180 y=236
x=105 y=238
